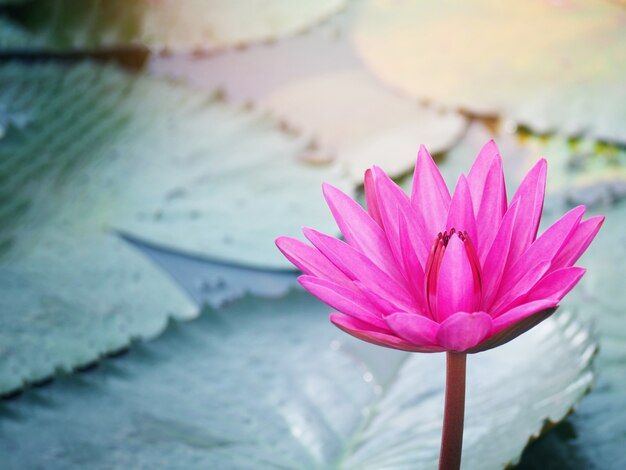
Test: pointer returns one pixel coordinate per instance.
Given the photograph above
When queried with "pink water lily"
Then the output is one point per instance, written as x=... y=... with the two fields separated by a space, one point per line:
x=434 y=272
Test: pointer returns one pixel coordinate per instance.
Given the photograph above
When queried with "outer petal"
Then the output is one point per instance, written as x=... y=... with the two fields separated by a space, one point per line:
x=309 y=260
x=504 y=335
x=348 y=301
x=382 y=303
x=492 y=205
x=521 y=312
x=371 y=198
x=477 y=176
x=546 y=247
x=414 y=328
x=430 y=195
x=367 y=333
x=513 y=296
x=463 y=331
x=556 y=285
x=358 y=267
x=394 y=205
x=530 y=195
x=461 y=214
x=412 y=266
x=455 y=284
x=360 y=230
x=578 y=242
x=494 y=263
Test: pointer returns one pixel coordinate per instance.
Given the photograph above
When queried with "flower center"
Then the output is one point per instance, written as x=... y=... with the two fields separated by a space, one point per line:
x=472 y=282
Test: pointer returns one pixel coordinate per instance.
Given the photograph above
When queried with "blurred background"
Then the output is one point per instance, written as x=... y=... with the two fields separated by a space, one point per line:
x=151 y=151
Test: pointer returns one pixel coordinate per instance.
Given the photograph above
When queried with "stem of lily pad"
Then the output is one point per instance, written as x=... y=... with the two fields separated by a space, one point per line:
x=454 y=412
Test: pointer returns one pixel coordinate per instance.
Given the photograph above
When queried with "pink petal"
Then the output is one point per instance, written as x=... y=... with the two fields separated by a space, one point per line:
x=530 y=195
x=381 y=302
x=546 y=247
x=463 y=331
x=412 y=266
x=578 y=242
x=495 y=261
x=359 y=267
x=366 y=332
x=515 y=295
x=345 y=300
x=371 y=198
x=394 y=204
x=556 y=285
x=492 y=206
x=461 y=214
x=413 y=327
x=360 y=230
x=430 y=195
x=455 y=284
x=309 y=260
x=477 y=177
x=520 y=312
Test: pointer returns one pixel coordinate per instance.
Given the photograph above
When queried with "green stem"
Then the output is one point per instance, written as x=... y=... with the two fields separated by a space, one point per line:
x=454 y=412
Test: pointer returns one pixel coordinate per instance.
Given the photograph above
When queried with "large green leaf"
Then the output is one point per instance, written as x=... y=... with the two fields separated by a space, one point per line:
x=272 y=384
x=166 y=24
x=319 y=88
x=579 y=171
x=215 y=283
x=548 y=65
x=11 y=34
x=88 y=150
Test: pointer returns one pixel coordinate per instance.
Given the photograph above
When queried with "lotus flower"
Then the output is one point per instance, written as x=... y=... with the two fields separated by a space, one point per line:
x=434 y=272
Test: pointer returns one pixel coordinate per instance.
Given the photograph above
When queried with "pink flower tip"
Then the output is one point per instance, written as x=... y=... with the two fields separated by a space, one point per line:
x=434 y=272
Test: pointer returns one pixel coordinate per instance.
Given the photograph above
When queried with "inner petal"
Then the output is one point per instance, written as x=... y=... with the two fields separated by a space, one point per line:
x=456 y=289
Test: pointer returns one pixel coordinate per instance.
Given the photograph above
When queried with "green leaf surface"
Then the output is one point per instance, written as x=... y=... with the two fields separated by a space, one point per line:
x=167 y=24
x=215 y=283
x=87 y=151
x=11 y=33
x=580 y=171
x=272 y=384
x=317 y=86
x=548 y=65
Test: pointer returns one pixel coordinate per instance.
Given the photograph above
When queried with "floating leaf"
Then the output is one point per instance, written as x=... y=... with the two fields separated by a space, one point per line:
x=579 y=171
x=86 y=150
x=548 y=65
x=215 y=283
x=271 y=384
x=73 y=297
x=365 y=123
x=166 y=24
x=318 y=87
x=11 y=34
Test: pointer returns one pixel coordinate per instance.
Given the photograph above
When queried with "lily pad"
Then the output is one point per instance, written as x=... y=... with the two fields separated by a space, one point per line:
x=74 y=297
x=271 y=384
x=11 y=34
x=87 y=151
x=580 y=171
x=216 y=283
x=548 y=65
x=198 y=24
x=319 y=88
